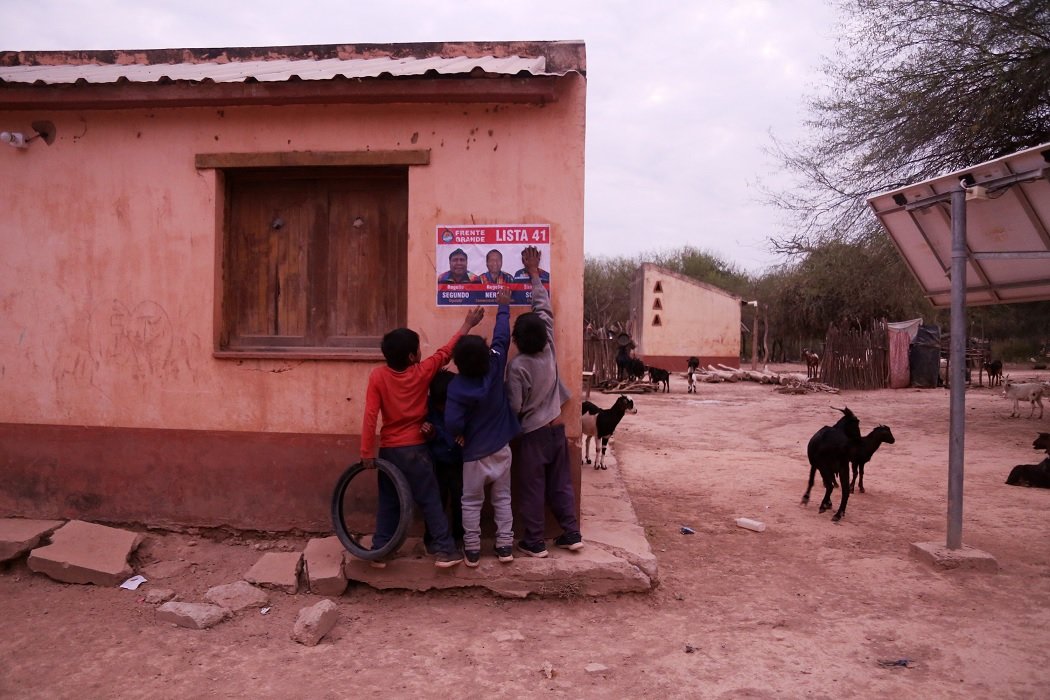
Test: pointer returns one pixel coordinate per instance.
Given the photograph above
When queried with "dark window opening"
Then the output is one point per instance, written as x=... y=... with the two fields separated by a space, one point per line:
x=314 y=259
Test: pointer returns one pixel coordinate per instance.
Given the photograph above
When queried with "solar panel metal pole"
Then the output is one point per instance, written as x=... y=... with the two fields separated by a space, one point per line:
x=957 y=361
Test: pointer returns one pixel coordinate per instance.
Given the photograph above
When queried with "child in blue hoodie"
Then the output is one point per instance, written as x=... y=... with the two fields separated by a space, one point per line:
x=478 y=413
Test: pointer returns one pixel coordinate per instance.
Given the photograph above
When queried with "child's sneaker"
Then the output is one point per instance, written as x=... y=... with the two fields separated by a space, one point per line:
x=473 y=557
x=378 y=564
x=505 y=553
x=570 y=540
x=444 y=560
x=533 y=550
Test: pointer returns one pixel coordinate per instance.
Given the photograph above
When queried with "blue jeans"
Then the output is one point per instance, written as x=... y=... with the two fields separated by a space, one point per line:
x=414 y=462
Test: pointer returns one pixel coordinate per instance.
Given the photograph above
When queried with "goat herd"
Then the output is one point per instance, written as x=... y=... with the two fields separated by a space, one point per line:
x=833 y=450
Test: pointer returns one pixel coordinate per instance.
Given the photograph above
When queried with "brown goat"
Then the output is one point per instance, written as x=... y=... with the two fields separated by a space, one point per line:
x=812 y=363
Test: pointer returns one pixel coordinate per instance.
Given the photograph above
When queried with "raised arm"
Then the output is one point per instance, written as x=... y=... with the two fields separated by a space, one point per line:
x=442 y=355
x=530 y=260
x=501 y=331
x=541 y=301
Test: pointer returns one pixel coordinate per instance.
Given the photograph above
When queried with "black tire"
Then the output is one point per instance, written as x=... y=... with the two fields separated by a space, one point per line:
x=404 y=496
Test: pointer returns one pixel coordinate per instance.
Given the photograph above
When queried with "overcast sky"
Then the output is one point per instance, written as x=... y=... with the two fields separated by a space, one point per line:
x=681 y=95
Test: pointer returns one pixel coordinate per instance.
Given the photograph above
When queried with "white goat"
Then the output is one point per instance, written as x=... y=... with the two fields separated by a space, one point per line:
x=1032 y=392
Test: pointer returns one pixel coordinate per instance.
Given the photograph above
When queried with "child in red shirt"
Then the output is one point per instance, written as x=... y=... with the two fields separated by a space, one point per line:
x=398 y=392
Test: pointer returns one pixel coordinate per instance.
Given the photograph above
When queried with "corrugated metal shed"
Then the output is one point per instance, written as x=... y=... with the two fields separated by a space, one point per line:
x=272 y=70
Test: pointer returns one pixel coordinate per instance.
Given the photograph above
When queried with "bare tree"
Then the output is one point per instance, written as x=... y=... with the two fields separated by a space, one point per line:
x=916 y=88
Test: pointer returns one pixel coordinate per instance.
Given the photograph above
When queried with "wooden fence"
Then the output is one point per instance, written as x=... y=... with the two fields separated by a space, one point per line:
x=599 y=356
x=856 y=359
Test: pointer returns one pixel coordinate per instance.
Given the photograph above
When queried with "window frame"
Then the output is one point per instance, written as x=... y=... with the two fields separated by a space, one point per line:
x=237 y=169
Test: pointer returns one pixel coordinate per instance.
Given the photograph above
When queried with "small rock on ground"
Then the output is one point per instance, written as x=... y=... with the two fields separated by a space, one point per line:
x=156 y=596
x=237 y=596
x=314 y=622
x=196 y=616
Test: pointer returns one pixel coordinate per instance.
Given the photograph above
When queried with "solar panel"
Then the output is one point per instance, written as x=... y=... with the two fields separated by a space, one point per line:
x=1007 y=229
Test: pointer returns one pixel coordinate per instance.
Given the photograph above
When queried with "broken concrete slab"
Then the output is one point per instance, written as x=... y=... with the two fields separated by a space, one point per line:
x=625 y=539
x=82 y=552
x=608 y=506
x=314 y=622
x=237 y=596
x=196 y=616
x=590 y=571
x=278 y=570
x=323 y=563
x=19 y=535
x=939 y=556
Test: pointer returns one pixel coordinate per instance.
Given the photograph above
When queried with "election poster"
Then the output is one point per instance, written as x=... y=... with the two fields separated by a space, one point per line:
x=474 y=262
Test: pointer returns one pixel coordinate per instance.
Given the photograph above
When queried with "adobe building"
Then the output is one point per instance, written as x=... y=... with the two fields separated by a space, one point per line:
x=202 y=249
x=675 y=317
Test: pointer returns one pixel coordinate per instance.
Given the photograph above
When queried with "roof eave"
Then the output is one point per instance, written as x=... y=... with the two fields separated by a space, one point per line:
x=499 y=90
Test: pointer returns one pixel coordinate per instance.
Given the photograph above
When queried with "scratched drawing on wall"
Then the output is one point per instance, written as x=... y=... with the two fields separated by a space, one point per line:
x=139 y=337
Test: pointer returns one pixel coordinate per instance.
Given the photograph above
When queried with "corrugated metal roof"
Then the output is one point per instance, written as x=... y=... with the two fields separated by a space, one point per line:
x=275 y=70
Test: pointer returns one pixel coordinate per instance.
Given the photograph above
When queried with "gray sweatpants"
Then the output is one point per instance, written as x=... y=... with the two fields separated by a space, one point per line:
x=495 y=470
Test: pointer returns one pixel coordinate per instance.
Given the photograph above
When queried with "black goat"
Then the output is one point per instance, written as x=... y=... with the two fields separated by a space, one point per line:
x=1036 y=475
x=599 y=423
x=1042 y=443
x=660 y=377
x=829 y=451
x=995 y=372
x=635 y=369
x=868 y=444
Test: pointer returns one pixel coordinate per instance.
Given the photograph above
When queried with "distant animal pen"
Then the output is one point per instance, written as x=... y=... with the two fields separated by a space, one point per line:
x=856 y=359
x=599 y=356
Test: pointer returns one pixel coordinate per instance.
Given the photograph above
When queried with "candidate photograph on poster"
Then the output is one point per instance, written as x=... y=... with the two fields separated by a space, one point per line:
x=474 y=262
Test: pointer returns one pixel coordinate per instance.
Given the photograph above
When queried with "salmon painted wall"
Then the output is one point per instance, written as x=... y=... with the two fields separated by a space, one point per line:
x=108 y=240
x=695 y=319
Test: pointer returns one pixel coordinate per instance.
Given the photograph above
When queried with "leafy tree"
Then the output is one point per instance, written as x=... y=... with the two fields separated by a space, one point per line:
x=853 y=284
x=704 y=267
x=917 y=88
x=607 y=290
x=849 y=284
x=1017 y=331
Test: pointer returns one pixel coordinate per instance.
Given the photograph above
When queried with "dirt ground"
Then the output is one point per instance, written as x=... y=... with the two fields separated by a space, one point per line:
x=807 y=608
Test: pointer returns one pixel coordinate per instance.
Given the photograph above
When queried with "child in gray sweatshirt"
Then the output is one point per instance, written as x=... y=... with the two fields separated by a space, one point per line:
x=536 y=395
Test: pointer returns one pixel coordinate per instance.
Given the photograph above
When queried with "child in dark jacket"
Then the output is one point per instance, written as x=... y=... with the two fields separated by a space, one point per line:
x=447 y=456
x=478 y=411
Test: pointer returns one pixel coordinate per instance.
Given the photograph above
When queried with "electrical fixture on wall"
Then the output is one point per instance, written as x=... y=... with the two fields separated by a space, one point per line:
x=16 y=139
